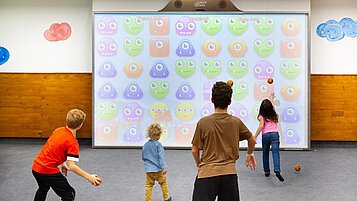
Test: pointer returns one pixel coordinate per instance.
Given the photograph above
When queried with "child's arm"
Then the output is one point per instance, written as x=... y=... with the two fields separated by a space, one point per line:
x=260 y=128
x=161 y=155
x=92 y=178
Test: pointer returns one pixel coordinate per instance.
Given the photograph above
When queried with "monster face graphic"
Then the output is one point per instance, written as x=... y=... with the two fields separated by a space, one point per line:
x=185 y=26
x=206 y=88
x=211 y=48
x=207 y=110
x=133 y=46
x=290 y=48
x=237 y=68
x=107 y=110
x=159 y=70
x=185 y=92
x=159 y=25
x=133 y=134
x=290 y=92
x=262 y=90
x=107 y=47
x=184 y=133
x=264 y=48
x=290 y=114
x=133 y=25
x=185 y=111
x=290 y=69
x=237 y=48
x=133 y=112
x=165 y=133
x=238 y=110
x=107 y=133
x=107 y=69
x=263 y=70
x=107 y=26
x=133 y=69
x=159 y=47
x=211 y=68
x=159 y=111
x=237 y=25
x=264 y=25
x=211 y=25
x=185 y=67
x=159 y=89
x=291 y=27
x=240 y=90
x=185 y=49
x=107 y=91
x=133 y=91
x=291 y=136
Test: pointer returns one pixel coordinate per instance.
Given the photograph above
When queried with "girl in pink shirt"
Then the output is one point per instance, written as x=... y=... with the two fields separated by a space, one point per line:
x=268 y=126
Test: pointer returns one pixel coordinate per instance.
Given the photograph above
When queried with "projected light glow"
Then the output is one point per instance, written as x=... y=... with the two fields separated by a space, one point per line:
x=160 y=67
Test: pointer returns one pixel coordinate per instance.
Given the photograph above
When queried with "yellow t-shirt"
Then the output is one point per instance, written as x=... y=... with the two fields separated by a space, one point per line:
x=218 y=137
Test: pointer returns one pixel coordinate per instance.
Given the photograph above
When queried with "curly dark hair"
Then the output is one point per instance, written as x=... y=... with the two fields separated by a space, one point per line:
x=267 y=111
x=221 y=95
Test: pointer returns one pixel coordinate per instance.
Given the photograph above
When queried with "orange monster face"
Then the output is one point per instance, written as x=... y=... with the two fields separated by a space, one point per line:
x=237 y=48
x=184 y=133
x=290 y=48
x=159 y=25
x=262 y=90
x=133 y=69
x=107 y=134
x=159 y=47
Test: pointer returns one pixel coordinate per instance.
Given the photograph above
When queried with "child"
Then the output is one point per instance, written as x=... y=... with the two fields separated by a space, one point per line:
x=268 y=126
x=61 y=146
x=154 y=162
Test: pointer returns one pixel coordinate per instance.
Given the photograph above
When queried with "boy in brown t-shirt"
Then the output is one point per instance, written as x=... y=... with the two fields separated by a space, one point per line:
x=218 y=137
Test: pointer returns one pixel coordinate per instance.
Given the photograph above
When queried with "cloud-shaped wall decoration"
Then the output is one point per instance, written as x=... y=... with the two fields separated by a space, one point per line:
x=334 y=31
x=58 y=32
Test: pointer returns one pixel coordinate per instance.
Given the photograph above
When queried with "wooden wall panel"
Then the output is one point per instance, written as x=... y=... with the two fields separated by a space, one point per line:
x=32 y=105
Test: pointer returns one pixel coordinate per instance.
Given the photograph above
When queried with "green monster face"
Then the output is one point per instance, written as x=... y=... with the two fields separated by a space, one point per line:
x=237 y=68
x=185 y=68
x=264 y=48
x=237 y=25
x=290 y=69
x=211 y=68
x=107 y=110
x=240 y=90
x=264 y=25
x=159 y=89
x=133 y=46
x=211 y=25
x=133 y=25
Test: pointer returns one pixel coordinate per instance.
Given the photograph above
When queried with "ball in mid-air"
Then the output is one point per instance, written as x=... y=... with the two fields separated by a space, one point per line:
x=270 y=80
x=297 y=168
x=230 y=82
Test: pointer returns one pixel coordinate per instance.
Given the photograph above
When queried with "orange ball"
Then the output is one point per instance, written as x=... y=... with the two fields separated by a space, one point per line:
x=297 y=168
x=230 y=82
x=270 y=80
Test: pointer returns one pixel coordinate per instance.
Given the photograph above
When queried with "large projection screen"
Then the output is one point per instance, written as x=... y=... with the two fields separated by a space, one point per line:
x=160 y=67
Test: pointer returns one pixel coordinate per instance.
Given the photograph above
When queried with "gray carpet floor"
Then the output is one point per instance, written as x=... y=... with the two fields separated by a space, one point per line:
x=328 y=173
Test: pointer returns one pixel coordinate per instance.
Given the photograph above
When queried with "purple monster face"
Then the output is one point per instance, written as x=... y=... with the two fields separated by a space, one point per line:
x=159 y=70
x=185 y=49
x=207 y=86
x=185 y=26
x=107 y=69
x=238 y=110
x=185 y=92
x=133 y=112
x=207 y=110
x=107 y=91
x=107 y=47
x=133 y=134
x=133 y=91
x=107 y=26
x=290 y=114
x=291 y=136
x=263 y=70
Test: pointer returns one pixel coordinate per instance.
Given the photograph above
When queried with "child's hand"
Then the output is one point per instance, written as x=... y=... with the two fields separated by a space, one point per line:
x=64 y=169
x=164 y=171
x=94 y=180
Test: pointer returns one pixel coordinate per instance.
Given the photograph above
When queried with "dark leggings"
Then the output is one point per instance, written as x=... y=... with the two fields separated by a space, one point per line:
x=57 y=182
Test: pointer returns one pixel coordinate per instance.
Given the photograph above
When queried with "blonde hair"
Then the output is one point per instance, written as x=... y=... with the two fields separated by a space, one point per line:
x=154 y=131
x=75 y=118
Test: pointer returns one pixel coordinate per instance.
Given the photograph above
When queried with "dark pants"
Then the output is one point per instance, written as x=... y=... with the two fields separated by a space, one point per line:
x=271 y=139
x=57 y=182
x=225 y=187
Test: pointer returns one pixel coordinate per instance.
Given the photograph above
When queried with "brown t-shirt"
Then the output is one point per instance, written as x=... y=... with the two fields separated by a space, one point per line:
x=218 y=137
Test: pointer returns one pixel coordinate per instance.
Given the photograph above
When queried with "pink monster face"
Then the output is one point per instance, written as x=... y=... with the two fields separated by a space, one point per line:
x=262 y=90
x=107 y=47
x=185 y=26
x=107 y=133
x=107 y=26
x=290 y=48
x=159 y=25
x=133 y=112
x=184 y=133
x=159 y=47
x=238 y=110
x=263 y=70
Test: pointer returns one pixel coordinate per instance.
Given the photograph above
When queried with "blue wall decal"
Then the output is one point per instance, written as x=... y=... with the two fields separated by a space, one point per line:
x=4 y=55
x=333 y=30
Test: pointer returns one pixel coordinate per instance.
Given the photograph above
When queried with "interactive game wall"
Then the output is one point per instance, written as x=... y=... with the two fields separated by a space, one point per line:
x=160 y=67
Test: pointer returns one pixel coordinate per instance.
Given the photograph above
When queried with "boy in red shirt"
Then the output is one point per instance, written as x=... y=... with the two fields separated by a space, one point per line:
x=60 y=147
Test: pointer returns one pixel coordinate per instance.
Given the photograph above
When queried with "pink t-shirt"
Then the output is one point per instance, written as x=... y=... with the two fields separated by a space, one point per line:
x=269 y=126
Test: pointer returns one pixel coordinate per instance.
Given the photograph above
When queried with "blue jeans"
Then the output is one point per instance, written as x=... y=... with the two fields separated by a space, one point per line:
x=271 y=138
